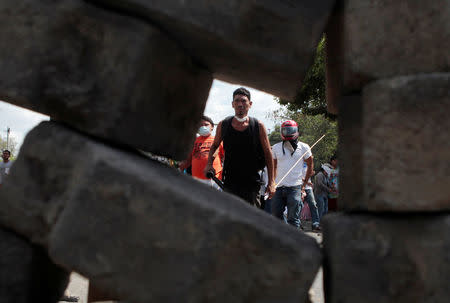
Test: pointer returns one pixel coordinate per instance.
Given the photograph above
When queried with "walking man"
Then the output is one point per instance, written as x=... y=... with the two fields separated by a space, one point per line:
x=290 y=185
x=322 y=189
x=333 y=179
x=309 y=198
x=5 y=165
x=247 y=151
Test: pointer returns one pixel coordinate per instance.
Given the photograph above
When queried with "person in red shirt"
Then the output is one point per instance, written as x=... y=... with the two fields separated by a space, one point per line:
x=198 y=158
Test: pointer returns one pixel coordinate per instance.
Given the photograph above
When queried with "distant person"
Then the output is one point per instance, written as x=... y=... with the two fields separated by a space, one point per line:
x=247 y=151
x=334 y=184
x=5 y=165
x=265 y=203
x=290 y=185
x=198 y=158
x=309 y=198
x=322 y=189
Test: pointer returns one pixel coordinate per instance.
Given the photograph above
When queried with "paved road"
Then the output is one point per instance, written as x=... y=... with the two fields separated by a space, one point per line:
x=78 y=285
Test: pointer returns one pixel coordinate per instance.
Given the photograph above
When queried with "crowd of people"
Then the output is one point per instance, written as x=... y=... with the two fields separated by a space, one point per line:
x=278 y=178
x=239 y=159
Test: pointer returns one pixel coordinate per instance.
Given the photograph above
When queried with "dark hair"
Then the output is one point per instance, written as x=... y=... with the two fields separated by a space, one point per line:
x=208 y=119
x=7 y=151
x=242 y=91
x=333 y=157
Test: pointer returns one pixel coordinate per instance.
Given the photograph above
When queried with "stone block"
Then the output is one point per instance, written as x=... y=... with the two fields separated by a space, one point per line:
x=394 y=147
x=109 y=75
x=267 y=45
x=390 y=259
x=26 y=272
x=143 y=232
x=369 y=40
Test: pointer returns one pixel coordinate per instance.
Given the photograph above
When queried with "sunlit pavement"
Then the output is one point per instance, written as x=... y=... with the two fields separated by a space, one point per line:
x=316 y=291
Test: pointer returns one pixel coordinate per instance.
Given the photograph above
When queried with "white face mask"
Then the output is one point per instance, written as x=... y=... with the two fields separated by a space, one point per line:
x=204 y=131
x=241 y=119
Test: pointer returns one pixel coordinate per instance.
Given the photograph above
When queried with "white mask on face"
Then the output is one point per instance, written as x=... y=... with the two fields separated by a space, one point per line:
x=241 y=119
x=204 y=131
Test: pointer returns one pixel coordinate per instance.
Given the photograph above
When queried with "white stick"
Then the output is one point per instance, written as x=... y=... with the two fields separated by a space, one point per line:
x=299 y=160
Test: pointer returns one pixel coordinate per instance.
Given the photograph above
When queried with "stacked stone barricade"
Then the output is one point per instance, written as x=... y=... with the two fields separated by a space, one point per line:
x=118 y=76
x=387 y=258
x=388 y=78
x=26 y=272
x=394 y=145
x=136 y=228
x=370 y=40
x=126 y=75
x=111 y=76
x=267 y=44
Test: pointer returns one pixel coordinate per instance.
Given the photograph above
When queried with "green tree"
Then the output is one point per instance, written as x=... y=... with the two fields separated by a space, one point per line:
x=275 y=135
x=310 y=98
x=311 y=128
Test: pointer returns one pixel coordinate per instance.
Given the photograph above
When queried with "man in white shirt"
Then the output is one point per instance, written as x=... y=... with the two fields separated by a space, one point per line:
x=290 y=185
x=5 y=165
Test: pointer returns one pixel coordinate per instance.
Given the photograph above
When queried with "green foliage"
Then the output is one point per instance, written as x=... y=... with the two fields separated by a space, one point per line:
x=311 y=98
x=311 y=128
x=275 y=135
x=309 y=109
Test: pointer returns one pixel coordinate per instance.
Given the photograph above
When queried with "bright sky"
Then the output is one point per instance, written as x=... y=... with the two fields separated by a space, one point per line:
x=218 y=106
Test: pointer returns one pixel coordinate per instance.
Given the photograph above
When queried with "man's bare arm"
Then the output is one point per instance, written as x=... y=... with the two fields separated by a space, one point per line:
x=212 y=151
x=309 y=170
x=275 y=163
x=269 y=159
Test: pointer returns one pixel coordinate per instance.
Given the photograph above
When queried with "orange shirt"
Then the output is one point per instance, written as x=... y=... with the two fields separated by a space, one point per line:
x=200 y=152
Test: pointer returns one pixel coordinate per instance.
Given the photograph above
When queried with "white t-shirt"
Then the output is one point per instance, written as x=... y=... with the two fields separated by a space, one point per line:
x=4 y=169
x=286 y=161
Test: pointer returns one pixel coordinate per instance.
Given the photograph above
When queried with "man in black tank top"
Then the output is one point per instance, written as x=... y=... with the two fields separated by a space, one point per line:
x=247 y=150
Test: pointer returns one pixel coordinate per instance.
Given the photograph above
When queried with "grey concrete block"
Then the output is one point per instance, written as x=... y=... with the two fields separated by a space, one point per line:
x=112 y=76
x=390 y=259
x=369 y=40
x=141 y=231
x=267 y=44
x=26 y=272
x=394 y=147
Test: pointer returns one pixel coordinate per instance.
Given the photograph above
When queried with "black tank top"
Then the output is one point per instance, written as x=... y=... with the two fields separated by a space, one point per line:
x=240 y=165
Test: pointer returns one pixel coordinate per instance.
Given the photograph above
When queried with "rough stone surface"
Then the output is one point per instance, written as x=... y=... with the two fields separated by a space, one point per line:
x=369 y=40
x=26 y=272
x=390 y=259
x=109 y=75
x=394 y=146
x=143 y=232
x=265 y=44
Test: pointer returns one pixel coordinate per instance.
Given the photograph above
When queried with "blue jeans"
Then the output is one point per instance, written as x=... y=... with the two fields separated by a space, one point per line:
x=322 y=204
x=312 y=207
x=268 y=206
x=289 y=197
